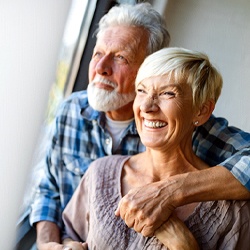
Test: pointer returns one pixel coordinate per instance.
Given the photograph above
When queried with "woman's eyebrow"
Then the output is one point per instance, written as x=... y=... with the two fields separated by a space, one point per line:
x=165 y=86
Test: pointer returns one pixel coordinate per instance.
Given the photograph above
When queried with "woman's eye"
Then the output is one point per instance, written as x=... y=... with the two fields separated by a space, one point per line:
x=169 y=93
x=140 y=91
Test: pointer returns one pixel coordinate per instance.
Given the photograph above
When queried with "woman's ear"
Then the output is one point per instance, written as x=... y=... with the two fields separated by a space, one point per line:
x=204 y=112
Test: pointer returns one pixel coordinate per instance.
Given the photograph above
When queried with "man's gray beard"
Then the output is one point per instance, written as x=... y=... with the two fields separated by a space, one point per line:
x=104 y=100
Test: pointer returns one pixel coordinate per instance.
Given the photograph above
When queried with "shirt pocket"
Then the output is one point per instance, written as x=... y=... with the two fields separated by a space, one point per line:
x=76 y=165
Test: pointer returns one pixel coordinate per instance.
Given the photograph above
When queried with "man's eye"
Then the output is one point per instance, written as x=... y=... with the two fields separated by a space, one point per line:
x=121 y=58
x=97 y=55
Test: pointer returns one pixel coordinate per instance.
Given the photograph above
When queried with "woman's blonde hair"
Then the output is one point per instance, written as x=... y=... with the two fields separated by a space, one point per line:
x=184 y=65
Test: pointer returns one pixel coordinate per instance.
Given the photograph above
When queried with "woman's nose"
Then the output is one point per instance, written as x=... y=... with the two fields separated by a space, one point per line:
x=104 y=66
x=150 y=104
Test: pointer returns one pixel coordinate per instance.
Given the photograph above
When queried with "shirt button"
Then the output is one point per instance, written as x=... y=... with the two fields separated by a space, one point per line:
x=77 y=170
x=107 y=141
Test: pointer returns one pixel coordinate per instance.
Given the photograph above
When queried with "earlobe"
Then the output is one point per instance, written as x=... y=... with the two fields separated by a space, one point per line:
x=204 y=112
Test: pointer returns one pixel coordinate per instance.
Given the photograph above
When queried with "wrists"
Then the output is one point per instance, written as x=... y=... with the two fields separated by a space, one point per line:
x=177 y=190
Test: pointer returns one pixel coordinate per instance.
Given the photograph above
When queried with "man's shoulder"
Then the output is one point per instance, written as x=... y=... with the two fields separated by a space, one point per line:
x=73 y=103
x=78 y=98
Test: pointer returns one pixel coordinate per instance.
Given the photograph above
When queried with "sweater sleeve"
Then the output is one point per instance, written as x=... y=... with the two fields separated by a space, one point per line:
x=76 y=213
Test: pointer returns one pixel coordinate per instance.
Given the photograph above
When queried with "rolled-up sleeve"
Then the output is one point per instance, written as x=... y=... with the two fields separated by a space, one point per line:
x=219 y=144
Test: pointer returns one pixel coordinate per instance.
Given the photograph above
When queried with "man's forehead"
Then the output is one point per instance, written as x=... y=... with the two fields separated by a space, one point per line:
x=113 y=45
x=123 y=34
x=119 y=40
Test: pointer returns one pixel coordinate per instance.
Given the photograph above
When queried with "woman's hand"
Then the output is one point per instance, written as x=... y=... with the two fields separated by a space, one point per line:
x=69 y=244
x=175 y=235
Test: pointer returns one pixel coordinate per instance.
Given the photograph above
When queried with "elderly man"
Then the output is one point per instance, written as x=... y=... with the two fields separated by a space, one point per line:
x=98 y=122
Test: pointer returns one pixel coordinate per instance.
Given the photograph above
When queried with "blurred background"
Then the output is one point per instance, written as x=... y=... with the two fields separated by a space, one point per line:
x=30 y=38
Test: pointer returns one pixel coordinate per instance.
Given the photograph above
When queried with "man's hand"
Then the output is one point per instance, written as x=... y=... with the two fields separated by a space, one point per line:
x=146 y=208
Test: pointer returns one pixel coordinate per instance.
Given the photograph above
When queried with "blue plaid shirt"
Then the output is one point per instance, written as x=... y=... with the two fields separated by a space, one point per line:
x=79 y=137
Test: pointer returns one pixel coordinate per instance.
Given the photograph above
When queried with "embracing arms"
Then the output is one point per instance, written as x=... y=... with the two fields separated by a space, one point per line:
x=148 y=207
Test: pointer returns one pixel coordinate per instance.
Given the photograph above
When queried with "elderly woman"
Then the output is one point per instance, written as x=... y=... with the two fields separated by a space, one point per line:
x=176 y=91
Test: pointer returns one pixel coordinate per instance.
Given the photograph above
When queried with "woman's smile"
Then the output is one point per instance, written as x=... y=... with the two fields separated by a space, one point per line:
x=154 y=123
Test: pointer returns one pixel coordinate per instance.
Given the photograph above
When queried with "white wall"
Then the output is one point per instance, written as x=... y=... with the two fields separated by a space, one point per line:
x=222 y=30
x=30 y=37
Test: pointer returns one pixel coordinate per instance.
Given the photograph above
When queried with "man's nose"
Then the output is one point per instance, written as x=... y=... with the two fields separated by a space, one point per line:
x=104 y=66
x=150 y=104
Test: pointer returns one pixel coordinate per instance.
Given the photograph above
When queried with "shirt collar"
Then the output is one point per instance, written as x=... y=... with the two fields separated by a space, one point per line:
x=91 y=114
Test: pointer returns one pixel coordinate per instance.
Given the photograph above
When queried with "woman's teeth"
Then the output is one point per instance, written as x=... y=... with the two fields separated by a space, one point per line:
x=154 y=124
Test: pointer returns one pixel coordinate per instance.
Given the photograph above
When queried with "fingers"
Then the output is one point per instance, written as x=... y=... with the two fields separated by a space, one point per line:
x=147 y=226
x=117 y=211
x=66 y=248
x=74 y=245
x=145 y=208
x=126 y=211
x=85 y=246
x=53 y=246
x=136 y=217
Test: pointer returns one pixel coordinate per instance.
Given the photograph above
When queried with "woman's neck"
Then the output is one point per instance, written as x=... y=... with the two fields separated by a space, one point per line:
x=162 y=164
x=155 y=165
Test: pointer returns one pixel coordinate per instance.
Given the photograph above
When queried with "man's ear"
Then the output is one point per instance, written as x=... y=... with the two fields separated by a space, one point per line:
x=204 y=112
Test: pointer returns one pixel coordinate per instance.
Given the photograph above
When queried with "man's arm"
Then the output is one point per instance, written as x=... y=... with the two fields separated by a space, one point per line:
x=216 y=183
x=48 y=236
x=148 y=207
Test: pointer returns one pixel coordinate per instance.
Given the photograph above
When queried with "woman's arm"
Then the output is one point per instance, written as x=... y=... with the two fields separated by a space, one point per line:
x=175 y=235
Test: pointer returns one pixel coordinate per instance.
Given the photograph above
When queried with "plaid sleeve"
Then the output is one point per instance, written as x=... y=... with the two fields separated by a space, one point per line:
x=219 y=144
x=62 y=171
x=239 y=165
x=46 y=203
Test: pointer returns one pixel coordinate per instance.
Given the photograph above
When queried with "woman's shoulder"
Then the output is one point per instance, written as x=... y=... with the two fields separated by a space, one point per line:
x=108 y=164
x=217 y=221
x=222 y=210
x=227 y=207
